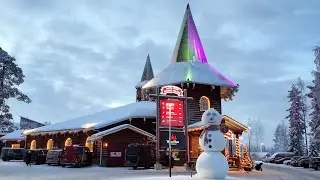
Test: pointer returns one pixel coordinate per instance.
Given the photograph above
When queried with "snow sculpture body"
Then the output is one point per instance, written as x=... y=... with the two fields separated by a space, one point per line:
x=211 y=164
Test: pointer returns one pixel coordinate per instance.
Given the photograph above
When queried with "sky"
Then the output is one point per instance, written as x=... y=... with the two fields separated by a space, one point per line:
x=82 y=56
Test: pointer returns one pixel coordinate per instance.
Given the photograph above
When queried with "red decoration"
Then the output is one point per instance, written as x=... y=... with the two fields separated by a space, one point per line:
x=177 y=112
x=173 y=137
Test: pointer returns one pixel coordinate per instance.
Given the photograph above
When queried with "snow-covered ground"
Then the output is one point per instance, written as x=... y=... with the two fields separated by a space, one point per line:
x=19 y=171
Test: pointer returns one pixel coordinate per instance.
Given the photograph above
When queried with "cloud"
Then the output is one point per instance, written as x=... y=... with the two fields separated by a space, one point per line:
x=85 y=56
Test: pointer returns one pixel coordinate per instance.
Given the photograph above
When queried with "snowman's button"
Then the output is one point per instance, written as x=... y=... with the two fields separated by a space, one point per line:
x=210 y=146
x=209 y=140
x=209 y=135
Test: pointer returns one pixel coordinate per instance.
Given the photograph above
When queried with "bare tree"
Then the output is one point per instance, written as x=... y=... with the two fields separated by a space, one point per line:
x=256 y=133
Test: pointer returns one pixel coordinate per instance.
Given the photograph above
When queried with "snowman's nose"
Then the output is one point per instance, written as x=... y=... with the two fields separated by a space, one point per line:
x=211 y=118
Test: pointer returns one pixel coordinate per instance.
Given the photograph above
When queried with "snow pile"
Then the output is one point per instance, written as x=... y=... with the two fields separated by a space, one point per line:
x=13 y=136
x=173 y=178
x=104 y=118
x=194 y=72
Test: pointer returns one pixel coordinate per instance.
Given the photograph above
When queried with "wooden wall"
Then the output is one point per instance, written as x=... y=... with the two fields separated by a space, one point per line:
x=58 y=140
x=194 y=105
x=80 y=138
x=117 y=142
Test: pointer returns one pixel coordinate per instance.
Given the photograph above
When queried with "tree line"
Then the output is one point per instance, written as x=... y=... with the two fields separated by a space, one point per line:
x=292 y=134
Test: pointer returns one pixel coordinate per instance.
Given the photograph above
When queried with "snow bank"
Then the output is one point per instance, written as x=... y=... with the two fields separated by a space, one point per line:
x=173 y=178
x=13 y=136
x=104 y=118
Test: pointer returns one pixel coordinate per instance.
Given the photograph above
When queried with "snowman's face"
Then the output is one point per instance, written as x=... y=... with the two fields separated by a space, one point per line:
x=211 y=117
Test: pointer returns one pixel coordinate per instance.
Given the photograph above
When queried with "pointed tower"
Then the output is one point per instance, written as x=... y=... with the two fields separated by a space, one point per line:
x=147 y=71
x=188 y=47
x=147 y=75
x=190 y=70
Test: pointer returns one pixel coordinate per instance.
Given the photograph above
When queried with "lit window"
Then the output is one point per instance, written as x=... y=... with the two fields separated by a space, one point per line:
x=68 y=142
x=50 y=144
x=33 y=144
x=204 y=103
x=89 y=144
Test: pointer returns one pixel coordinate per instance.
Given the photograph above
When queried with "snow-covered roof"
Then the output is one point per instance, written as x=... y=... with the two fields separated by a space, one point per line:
x=101 y=134
x=141 y=84
x=231 y=123
x=193 y=72
x=13 y=136
x=104 y=118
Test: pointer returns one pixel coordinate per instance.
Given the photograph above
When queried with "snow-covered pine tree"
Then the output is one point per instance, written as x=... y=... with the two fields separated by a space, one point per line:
x=11 y=76
x=301 y=85
x=296 y=127
x=281 y=137
x=314 y=95
x=313 y=151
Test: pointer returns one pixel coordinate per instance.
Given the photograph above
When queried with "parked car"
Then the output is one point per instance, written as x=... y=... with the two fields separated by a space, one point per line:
x=139 y=155
x=294 y=160
x=287 y=162
x=8 y=154
x=279 y=155
x=315 y=163
x=280 y=161
x=53 y=157
x=38 y=156
x=304 y=162
x=76 y=156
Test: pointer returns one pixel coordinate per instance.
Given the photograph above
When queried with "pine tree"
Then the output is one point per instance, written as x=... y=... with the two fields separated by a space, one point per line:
x=11 y=76
x=314 y=95
x=305 y=108
x=246 y=162
x=281 y=137
x=313 y=149
x=296 y=126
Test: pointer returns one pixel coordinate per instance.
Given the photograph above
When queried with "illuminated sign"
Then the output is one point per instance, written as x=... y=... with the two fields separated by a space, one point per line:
x=171 y=109
x=177 y=139
x=171 y=90
x=173 y=140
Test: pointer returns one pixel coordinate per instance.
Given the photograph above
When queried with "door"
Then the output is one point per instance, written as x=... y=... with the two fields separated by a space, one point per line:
x=116 y=155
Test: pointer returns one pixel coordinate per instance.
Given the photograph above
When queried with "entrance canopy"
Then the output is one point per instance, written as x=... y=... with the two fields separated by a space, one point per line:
x=233 y=125
x=100 y=135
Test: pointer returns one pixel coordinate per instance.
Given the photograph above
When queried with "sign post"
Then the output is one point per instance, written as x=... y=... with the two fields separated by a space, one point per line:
x=176 y=99
x=170 y=155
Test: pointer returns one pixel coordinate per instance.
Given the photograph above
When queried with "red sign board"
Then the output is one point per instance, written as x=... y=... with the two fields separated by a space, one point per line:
x=177 y=112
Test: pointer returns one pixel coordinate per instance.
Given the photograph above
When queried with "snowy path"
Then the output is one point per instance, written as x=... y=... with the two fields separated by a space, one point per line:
x=18 y=171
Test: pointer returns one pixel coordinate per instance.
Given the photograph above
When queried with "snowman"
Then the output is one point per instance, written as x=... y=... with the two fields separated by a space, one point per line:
x=211 y=164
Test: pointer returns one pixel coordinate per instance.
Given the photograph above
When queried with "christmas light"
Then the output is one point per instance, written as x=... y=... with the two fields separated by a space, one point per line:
x=246 y=162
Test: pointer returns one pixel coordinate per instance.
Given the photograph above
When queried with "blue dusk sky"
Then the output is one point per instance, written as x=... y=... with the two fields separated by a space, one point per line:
x=83 y=56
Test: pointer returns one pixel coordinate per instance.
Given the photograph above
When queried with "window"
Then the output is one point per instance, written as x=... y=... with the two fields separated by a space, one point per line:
x=33 y=144
x=15 y=146
x=68 y=142
x=89 y=144
x=50 y=144
x=204 y=103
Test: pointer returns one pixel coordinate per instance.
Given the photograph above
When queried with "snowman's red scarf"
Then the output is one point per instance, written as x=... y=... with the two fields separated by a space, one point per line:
x=205 y=132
